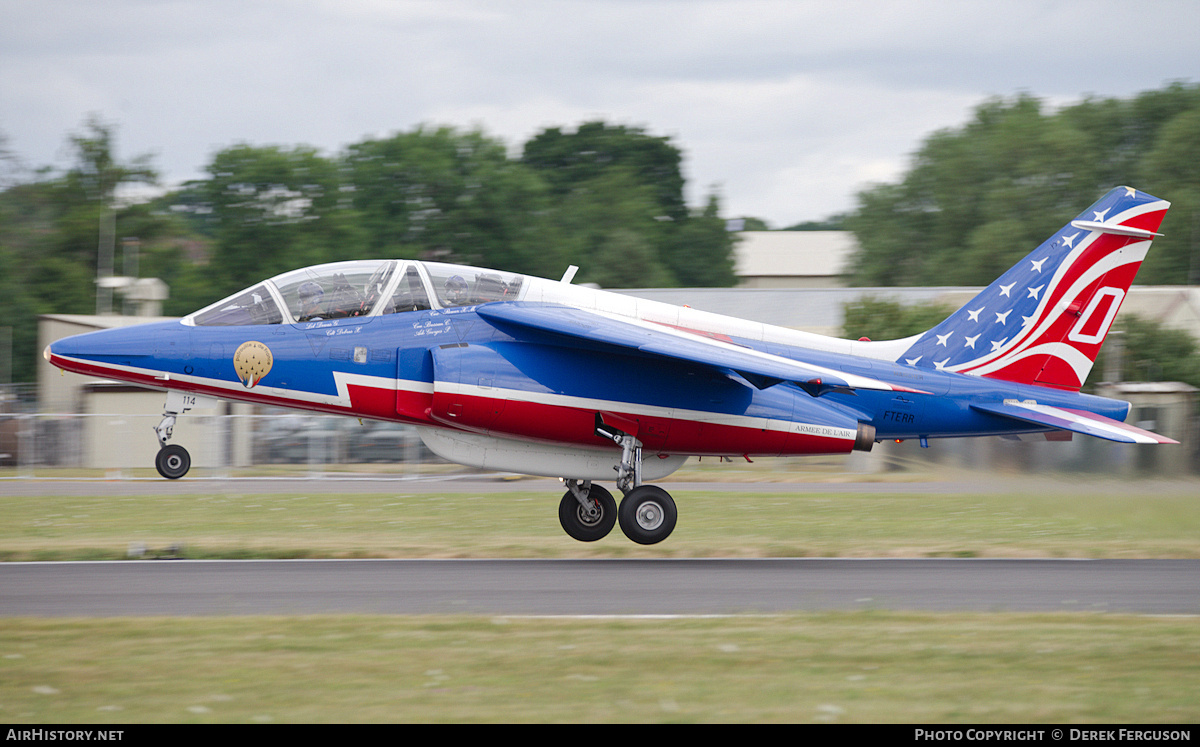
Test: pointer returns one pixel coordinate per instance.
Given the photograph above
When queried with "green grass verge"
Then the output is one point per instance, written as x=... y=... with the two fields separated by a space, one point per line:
x=836 y=667
x=1114 y=523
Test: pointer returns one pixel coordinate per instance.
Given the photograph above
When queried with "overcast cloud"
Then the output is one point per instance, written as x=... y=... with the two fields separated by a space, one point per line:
x=785 y=108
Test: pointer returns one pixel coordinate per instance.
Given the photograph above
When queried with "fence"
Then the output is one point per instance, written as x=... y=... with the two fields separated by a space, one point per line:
x=219 y=444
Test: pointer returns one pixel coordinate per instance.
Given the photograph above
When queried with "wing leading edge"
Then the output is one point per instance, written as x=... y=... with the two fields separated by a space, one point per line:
x=1079 y=421
x=760 y=369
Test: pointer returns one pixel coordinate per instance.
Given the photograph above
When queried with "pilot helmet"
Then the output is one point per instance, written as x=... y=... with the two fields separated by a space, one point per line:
x=456 y=289
x=310 y=294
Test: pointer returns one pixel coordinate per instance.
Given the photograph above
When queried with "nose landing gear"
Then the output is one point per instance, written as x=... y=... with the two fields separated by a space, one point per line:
x=173 y=461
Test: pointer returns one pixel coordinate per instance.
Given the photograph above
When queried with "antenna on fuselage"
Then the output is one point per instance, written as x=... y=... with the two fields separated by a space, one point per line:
x=569 y=275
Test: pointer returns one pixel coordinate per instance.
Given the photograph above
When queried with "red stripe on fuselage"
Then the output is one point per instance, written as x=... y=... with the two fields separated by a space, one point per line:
x=575 y=425
x=530 y=420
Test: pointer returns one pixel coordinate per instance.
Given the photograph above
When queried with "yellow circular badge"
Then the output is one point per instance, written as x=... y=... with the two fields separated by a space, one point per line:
x=252 y=361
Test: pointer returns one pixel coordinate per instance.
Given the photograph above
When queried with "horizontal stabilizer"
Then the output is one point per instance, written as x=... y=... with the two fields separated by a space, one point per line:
x=1078 y=421
x=1115 y=230
x=760 y=369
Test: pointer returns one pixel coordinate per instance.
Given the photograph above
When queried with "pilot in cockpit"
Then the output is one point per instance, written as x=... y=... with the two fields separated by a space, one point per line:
x=310 y=295
x=456 y=291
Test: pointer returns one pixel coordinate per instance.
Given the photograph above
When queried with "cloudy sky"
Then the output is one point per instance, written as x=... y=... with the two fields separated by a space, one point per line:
x=785 y=108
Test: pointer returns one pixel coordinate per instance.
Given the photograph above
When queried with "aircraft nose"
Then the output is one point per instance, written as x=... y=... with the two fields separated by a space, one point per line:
x=70 y=354
x=67 y=347
x=98 y=344
x=134 y=345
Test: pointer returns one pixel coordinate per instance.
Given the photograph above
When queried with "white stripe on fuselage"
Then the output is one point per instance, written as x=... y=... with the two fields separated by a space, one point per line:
x=343 y=380
x=590 y=404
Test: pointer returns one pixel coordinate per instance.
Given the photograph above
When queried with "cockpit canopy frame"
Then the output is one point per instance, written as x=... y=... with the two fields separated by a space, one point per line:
x=359 y=288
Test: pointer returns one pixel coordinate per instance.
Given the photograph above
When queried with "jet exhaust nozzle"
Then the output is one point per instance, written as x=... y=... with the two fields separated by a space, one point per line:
x=865 y=438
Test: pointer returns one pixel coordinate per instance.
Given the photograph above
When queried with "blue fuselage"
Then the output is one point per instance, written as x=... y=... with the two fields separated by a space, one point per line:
x=452 y=368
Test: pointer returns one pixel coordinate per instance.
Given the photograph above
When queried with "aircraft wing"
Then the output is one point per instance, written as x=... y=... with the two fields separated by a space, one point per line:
x=1079 y=421
x=760 y=369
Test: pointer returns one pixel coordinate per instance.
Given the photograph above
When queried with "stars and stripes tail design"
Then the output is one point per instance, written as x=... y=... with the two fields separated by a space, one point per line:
x=1044 y=320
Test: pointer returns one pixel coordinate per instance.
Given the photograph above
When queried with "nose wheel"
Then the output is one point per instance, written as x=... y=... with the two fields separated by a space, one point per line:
x=173 y=461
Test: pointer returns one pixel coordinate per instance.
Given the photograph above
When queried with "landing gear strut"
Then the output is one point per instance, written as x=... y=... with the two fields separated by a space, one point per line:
x=647 y=513
x=172 y=462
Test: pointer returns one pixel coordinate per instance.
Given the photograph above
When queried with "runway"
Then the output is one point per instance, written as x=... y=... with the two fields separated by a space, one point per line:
x=579 y=587
x=595 y=587
x=341 y=484
x=467 y=483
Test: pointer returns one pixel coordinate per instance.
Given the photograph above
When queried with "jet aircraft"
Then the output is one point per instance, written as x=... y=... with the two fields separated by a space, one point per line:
x=524 y=374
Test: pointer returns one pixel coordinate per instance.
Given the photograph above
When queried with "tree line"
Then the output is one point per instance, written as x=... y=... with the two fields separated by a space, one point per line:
x=979 y=197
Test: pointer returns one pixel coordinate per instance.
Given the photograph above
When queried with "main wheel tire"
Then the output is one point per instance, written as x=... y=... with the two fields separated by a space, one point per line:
x=582 y=526
x=648 y=515
x=173 y=461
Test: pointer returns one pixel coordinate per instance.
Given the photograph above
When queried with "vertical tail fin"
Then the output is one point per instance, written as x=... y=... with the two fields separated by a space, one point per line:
x=1044 y=320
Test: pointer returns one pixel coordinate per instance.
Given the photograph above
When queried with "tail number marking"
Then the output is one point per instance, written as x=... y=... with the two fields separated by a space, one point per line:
x=1113 y=296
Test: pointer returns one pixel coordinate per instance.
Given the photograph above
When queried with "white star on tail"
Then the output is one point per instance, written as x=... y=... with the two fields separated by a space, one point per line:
x=1033 y=292
x=1004 y=289
x=1003 y=318
x=942 y=338
x=997 y=344
x=1037 y=263
x=971 y=341
x=974 y=314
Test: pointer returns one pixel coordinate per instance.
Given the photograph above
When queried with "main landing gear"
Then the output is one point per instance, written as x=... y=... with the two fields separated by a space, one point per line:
x=647 y=513
x=173 y=461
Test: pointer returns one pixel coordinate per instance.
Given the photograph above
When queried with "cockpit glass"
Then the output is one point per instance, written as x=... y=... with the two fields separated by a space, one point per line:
x=456 y=285
x=253 y=306
x=334 y=291
x=342 y=290
x=410 y=294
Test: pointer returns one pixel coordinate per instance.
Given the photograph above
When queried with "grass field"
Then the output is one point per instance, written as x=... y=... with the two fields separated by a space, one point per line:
x=828 y=667
x=1090 y=522
x=842 y=668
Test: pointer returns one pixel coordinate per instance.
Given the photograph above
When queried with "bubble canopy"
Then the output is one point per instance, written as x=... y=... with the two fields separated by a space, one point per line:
x=360 y=288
